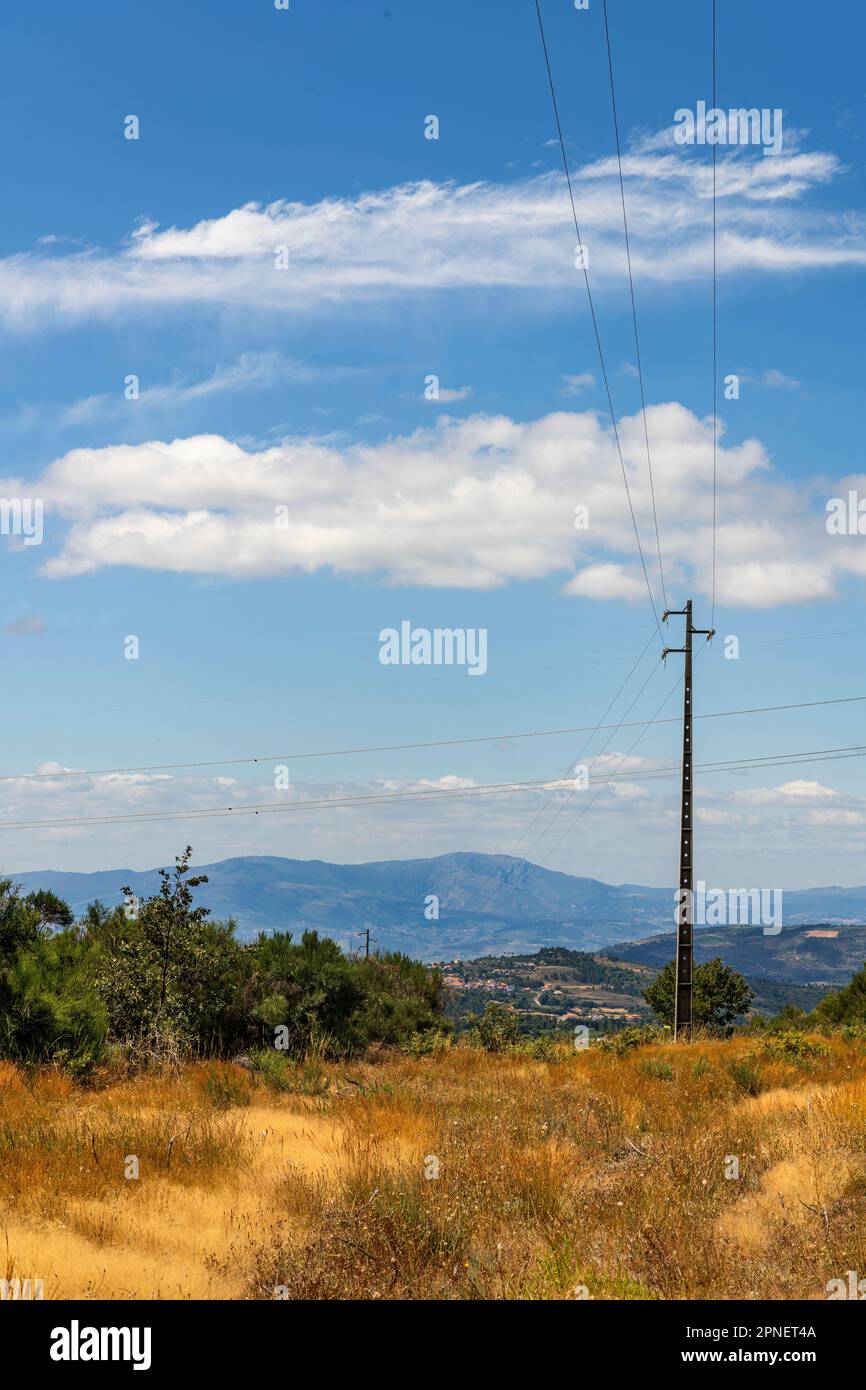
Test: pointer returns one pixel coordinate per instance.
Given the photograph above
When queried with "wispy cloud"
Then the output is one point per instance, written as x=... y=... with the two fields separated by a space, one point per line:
x=448 y=394
x=573 y=385
x=420 y=237
x=252 y=371
x=32 y=626
x=772 y=377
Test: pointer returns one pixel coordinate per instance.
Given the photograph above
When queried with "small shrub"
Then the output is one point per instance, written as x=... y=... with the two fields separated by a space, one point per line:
x=746 y=1075
x=662 y=1071
x=497 y=1030
x=226 y=1087
x=792 y=1046
x=288 y=1077
x=627 y=1039
x=427 y=1043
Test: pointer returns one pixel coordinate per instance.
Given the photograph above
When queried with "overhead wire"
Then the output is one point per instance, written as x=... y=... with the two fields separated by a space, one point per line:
x=633 y=307
x=442 y=793
x=594 y=317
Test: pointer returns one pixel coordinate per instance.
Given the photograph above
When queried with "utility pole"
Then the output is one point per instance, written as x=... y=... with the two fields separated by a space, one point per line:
x=365 y=932
x=685 y=896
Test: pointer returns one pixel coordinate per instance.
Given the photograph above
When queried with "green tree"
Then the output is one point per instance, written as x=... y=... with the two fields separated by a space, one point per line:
x=498 y=1028
x=49 y=1010
x=846 y=1005
x=169 y=973
x=341 y=1003
x=720 y=995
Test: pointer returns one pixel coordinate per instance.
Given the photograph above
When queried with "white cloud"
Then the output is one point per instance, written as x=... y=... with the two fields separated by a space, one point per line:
x=827 y=819
x=446 y=816
x=252 y=371
x=773 y=377
x=573 y=385
x=449 y=394
x=606 y=582
x=424 y=236
x=465 y=503
x=787 y=793
x=712 y=815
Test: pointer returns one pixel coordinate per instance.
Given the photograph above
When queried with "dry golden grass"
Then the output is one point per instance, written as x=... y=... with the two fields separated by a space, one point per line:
x=459 y=1175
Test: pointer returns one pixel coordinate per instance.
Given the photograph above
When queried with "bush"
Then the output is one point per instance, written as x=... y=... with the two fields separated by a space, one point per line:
x=286 y=1076
x=48 y=1010
x=226 y=1087
x=497 y=1030
x=168 y=984
x=746 y=1076
x=627 y=1039
x=430 y=1042
x=662 y=1071
x=541 y=1049
x=169 y=971
x=793 y=1046
x=309 y=992
x=846 y=1006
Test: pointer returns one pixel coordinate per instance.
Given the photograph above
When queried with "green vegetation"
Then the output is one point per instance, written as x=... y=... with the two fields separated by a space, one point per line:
x=165 y=982
x=161 y=980
x=848 y=1006
x=627 y=1039
x=720 y=996
x=498 y=1029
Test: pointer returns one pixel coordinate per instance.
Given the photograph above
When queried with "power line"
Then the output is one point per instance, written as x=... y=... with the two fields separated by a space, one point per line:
x=673 y=771
x=595 y=760
x=801 y=637
x=633 y=308
x=494 y=887
x=425 y=743
x=593 y=315
x=600 y=725
x=501 y=788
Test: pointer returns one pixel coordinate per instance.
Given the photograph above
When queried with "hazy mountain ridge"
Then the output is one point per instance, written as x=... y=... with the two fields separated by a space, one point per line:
x=488 y=904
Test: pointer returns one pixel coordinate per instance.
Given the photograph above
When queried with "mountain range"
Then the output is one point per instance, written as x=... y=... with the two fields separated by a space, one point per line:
x=487 y=904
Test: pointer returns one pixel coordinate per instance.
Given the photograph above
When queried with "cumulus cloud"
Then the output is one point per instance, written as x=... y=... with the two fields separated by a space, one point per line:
x=425 y=236
x=467 y=503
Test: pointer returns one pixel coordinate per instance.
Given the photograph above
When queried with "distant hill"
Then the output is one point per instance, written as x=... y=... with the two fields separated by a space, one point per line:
x=488 y=905
x=823 y=953
x=556 y=988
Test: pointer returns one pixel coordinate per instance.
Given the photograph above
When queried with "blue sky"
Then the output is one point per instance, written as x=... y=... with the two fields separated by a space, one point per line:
x=305 y=387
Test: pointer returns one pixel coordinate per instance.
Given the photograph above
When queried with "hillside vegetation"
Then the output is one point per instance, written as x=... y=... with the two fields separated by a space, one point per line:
x=158 y=980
